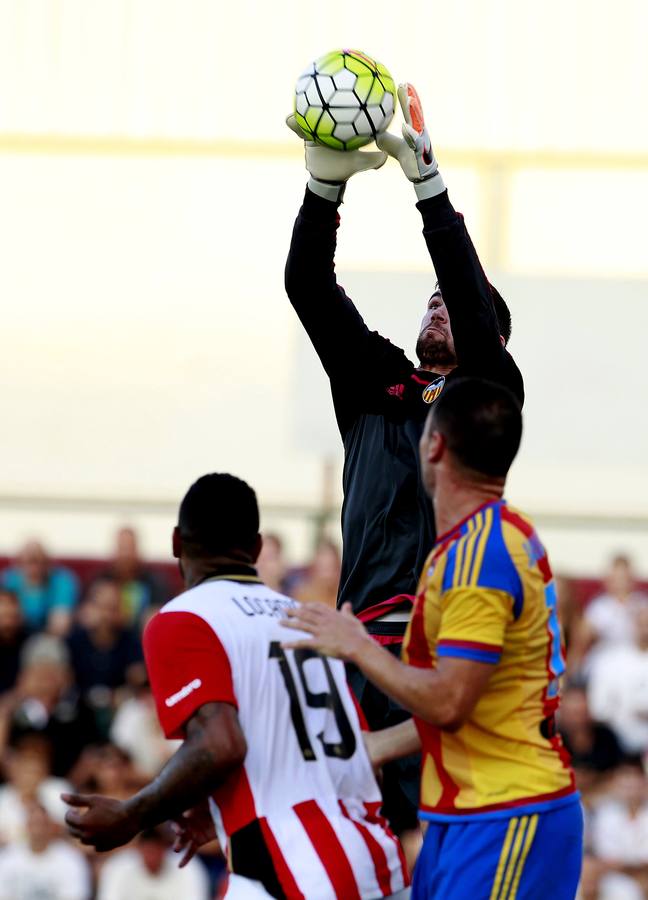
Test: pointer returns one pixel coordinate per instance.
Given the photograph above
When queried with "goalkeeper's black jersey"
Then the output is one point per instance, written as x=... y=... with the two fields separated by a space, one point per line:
x=381 y=399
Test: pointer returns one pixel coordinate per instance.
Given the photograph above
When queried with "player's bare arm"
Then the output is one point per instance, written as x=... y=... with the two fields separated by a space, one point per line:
x=213 y=748
x=193 y=829
x=444 y=696
x=388 y=744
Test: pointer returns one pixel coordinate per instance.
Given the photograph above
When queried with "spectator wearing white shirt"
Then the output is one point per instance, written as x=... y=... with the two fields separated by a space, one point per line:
x=608 y=621
x=136 y=730
x=43 y=867
x=149 y=871
x=597 y=883
x=618 y=688
x=620 y=824
x=29 y=780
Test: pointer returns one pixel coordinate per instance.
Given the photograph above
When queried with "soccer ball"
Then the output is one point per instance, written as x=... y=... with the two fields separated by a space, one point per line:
x=344 y=100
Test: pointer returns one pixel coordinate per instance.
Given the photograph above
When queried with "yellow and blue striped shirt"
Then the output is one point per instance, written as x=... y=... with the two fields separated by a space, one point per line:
x=487 y=594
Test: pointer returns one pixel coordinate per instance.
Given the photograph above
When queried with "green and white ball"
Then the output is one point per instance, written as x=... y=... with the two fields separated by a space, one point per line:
x=344 y=99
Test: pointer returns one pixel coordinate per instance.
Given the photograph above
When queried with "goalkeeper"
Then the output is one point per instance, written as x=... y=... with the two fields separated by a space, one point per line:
x=381 y=398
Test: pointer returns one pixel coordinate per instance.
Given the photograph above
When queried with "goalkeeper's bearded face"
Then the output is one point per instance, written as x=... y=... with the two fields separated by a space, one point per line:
x=435 y=344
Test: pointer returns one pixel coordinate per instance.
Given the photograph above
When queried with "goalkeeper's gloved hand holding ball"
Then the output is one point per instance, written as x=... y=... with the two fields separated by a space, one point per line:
x=414 y=150
x=331 y=169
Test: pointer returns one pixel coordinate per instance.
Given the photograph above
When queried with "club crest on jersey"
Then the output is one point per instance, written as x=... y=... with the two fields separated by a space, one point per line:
x=432 y=391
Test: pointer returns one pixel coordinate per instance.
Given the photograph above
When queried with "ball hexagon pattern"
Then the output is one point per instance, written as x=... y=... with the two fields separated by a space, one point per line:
x=344 y=99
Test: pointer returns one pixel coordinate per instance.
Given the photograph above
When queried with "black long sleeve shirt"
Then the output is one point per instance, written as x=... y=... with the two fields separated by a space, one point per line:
x=382 y=399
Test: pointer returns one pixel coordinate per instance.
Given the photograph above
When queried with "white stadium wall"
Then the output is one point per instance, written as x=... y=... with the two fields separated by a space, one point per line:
x=148 y=191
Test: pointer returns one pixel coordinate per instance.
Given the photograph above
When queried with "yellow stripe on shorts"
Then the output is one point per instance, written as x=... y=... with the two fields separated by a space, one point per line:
x=499 y=874
x=531 y=830
x=513 y=858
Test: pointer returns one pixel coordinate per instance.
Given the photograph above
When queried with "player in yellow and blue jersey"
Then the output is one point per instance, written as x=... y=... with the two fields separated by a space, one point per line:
x=481 y=668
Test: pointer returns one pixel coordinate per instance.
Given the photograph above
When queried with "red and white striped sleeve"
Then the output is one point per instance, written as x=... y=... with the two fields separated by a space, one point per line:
x=187 y=667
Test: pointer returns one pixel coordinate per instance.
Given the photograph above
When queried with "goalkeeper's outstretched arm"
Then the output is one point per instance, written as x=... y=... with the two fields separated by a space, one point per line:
x=332 y=322
x=465 y=288
x=337 y=330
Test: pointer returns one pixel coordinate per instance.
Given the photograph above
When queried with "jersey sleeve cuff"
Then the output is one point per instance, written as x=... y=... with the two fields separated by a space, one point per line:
x=474 y=650
x=437 y=211
x=317 y=208
x=174 y=722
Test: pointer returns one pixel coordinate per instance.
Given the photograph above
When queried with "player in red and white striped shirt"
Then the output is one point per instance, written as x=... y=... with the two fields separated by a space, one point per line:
x=271 y=736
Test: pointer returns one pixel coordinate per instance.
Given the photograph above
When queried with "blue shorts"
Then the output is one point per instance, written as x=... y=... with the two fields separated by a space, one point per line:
x=529 y=856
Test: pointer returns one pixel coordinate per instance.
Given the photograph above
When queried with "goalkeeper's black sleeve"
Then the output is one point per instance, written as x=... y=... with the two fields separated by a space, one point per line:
x=467 y=296
x=358 y=361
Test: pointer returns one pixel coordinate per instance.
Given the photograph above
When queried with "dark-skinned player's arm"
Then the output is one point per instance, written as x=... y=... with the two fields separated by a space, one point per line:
x=191 y=681
x=213 y=748
x=443 y=696
x=462 y=281
x=342 y=340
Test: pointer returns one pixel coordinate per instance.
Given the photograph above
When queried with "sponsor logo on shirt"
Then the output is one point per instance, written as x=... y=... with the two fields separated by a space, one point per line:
x=183 y=692
x=396 y=390
x=432 y=391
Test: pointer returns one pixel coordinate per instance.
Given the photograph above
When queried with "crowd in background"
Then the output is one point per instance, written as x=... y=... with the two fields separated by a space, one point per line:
x=76 y=713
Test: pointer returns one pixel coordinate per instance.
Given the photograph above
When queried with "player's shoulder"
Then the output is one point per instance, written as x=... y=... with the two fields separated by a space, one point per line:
x=488 y=551
x=229 y=606
x=195 y=609
x=524 y=543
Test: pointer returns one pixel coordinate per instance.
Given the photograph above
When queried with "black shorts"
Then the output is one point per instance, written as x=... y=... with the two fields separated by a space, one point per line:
x=401 y=778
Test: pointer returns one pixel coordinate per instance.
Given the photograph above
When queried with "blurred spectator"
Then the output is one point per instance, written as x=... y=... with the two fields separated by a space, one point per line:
x=323 y=576
x=271 y=564
x=620 y=824
x=593 y=747
x=43 y=867
x=47 y=594
x=13 y=635
x=106 y=769
x=45 y=701
x=608 y=620
x=139 y=586
x=598 y=883
x=136 y=730
x=27 y=768
x=618 y=688
x=105 y=656
x=149 y=871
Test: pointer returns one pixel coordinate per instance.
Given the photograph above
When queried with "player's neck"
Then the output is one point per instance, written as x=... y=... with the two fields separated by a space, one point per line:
x=195 y=571
x=456 y=500
x=435 y=369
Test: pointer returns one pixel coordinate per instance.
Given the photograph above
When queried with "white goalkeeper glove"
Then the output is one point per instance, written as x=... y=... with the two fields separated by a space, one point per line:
x=414 y=150
x=331 y=169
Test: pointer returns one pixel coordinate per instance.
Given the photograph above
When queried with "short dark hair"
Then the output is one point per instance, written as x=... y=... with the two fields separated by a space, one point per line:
x=482 y=424
x=503 y=314
x=219 y=512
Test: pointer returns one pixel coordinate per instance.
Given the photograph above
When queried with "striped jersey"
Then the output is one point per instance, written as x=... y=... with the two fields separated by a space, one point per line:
x=487 y=594
x=301 y=816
